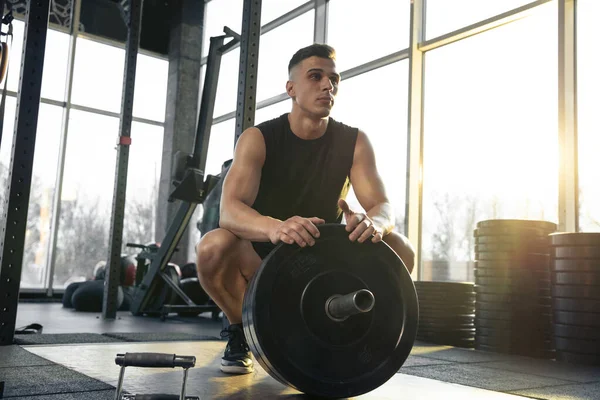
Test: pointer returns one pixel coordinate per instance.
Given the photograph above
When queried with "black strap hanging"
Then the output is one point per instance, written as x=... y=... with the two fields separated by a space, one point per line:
x=4 y=61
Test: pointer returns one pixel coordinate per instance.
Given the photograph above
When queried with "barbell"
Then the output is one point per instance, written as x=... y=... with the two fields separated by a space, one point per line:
x=336 y=319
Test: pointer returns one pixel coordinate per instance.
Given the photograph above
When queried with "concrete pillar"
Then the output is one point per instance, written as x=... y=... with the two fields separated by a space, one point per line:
x=185 y=53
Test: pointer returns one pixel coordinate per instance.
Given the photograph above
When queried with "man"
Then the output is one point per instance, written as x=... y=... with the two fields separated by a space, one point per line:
x=288 y=176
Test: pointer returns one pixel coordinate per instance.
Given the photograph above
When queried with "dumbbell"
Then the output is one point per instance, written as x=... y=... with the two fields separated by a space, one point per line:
x=154 y=360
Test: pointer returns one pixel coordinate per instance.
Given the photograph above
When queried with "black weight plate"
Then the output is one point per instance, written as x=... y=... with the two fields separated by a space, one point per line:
x=513 y=299
x=444 y=287
x=534 y=324
x=461 y=332
x=577 y=345
x=529 y=306
x=449 y=313
x=453 y=301
x=576 y=252
x=528 y=320
x=512 y=256
x=577 y=318
x=542 y=334
x=514 y=240
x=515 y=283
x=447 y=323
x=445 y=294
x=513 y=307
x=576 y=278
x=451 y=309
x=582 y=305
x=514 y=274
x=575 y=265
x=513 y=315
x=440 y=316
x=576 y=332
x=575 y=239
x=446 y=297
x=295 y=341
x=444 y=284
x=529 y=261
x=517 y=223
x=446 y=335
x=575 y=358
x=576 y=292
x=511 y=247
x=524 y=233
x=443 y=327
x=533 y=290
x=448 y=308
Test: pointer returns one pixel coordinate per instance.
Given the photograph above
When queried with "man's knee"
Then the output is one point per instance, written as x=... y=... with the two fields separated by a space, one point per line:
x=403 y=248
x=211 y=252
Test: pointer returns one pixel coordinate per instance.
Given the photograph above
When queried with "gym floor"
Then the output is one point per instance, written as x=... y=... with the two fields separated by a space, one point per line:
x=74 y=358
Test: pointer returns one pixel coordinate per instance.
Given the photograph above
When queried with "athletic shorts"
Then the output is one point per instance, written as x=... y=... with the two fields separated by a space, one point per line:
x=263 y=248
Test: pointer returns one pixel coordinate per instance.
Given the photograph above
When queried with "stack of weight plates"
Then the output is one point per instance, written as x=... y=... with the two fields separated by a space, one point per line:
x=513 y=308
x=575 y=268
x=446 y=313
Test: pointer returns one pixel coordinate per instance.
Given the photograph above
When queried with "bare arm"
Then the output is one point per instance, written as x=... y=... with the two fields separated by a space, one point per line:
x=240 y=189
x=368 y=186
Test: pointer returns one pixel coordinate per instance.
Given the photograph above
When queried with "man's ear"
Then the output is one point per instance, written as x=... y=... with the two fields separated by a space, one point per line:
x=289 y=88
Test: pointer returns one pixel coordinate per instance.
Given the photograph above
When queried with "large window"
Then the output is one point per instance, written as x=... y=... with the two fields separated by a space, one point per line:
x=43 y=182
x=490 y=138
x=55 y=65
x=588 y=92
x=361 y=31
x=384 y=121
x=443 y=16
x=42 y=187
x=220 y=146
x=98 y=77
x=90 y=157
x=87 y=192
x=228 y=83
x=151 y=76
x=143 y=177
x=274 y=56
x=55 y=62
x=273 y=111
x=16 y=50
x=6 y=152
x=272 y=9
x=218 y=14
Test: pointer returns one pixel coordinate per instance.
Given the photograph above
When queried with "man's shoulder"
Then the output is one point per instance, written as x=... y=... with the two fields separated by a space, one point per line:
x=343 y=127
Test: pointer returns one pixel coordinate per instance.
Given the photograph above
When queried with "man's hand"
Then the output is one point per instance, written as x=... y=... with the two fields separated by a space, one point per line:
x=302 y=231
x=360 y=225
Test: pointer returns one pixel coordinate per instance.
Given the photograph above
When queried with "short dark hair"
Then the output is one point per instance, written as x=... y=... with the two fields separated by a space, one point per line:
x=316 y=49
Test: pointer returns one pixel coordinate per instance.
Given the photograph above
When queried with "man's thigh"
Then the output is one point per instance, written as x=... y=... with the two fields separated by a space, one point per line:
x=402 y=247
x=232 y=253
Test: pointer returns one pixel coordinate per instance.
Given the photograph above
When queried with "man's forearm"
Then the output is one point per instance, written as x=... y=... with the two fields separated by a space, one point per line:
x=247 y=223
x=383 y=217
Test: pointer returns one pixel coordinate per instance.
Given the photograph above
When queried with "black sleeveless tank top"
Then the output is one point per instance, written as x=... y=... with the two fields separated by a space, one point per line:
x=305 y=177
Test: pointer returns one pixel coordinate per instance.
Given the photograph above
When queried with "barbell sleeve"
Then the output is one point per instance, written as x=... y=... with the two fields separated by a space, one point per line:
x=340 y=307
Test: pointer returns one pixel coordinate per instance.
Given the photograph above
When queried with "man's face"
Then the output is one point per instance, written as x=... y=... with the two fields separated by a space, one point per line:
x=313 y=85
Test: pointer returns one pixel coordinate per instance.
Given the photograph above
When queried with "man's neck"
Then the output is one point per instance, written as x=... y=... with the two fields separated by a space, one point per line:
x=305 y=126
